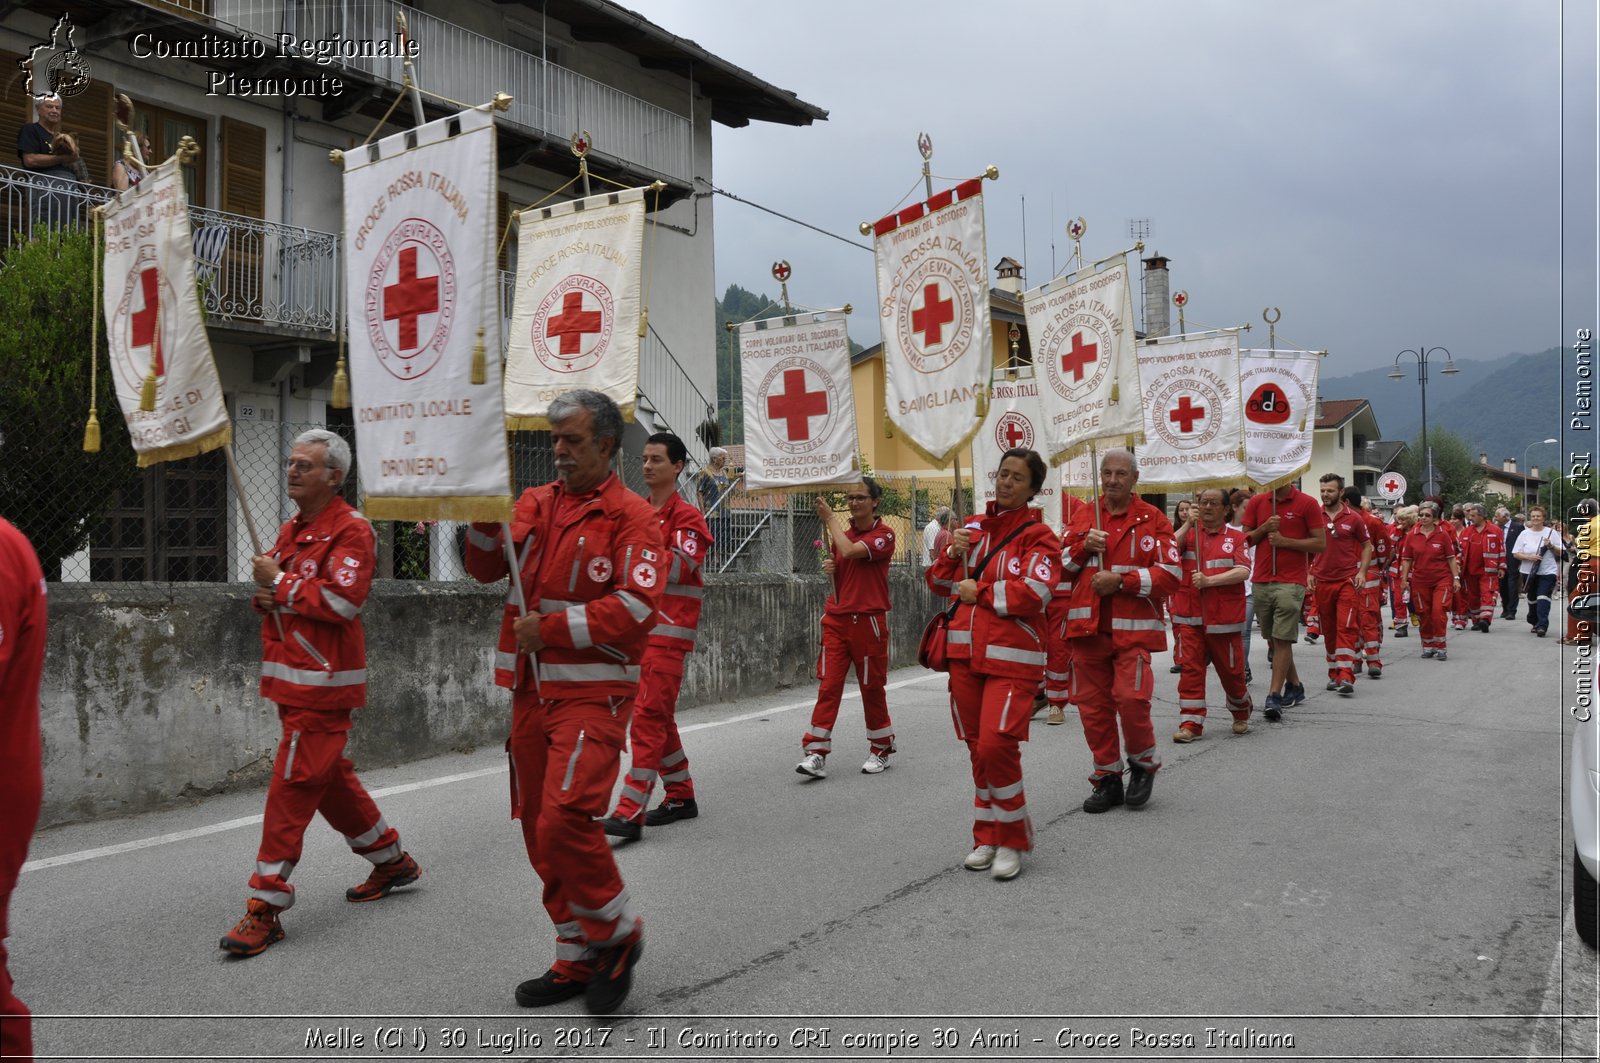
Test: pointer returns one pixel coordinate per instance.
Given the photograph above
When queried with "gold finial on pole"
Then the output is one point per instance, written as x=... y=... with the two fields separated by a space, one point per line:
x=188 y=151
x=992 y=172
x=501 y=101
x=1014 y=334
x=1272 y=315
x=336 y=156
x=866 y=228
x=1075 y=229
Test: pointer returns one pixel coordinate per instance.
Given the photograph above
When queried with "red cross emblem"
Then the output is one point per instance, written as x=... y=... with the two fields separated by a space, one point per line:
x=1014 y=436
x=1185 y=414
x=780 y=271
x=934 y=313
x=1181 y=299
x=410 y=298
x=1391 y=486
x=573 y=323
x=1013 y=430
x=1078 y=359
x=1075 y=229
x=146 y=330
x=795 y=406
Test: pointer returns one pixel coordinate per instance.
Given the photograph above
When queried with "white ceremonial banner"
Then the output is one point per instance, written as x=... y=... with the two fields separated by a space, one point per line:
x=575 y=316
x=153 y=319
x=1013 y=421
x=420 y=276
x=1193 y=431
x=1279 y=395
x=1079 y=476
x=933 y=301
x=799 y=409
x=1081 y=329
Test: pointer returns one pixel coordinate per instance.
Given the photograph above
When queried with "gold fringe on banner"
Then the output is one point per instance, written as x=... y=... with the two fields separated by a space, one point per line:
x=538 y=423
x=221 y=437
x=1273 y=485
x=91 y=430
x=480 y=355
x=494 y=509
x=1226 y=483
x=1126 y=442
x=340 y=399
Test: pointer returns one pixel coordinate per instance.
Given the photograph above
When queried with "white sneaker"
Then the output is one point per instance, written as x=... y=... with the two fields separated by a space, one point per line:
x=979 y=859
x=874 y=765
x=1007 y=863
x=814 y=765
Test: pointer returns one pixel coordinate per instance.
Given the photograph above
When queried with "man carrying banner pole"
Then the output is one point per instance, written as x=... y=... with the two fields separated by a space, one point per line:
x=1291 y=522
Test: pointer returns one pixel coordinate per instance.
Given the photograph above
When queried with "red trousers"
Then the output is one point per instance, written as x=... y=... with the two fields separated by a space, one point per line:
x=311 y=774
x=1310 y=616
x=1058 y=651
x=861 y=640
x=1369 y=613
x=21 y=787
x=657 y=749
x=1431 y=602
x=1339 y=611
x=1112 y=688
x=564 y=757
x=991 y=714
x=1199 y=650
x=1399 y=598
x=1478 y=595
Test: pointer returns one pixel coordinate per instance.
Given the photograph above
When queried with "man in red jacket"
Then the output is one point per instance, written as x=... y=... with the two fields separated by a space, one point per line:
x=312 y=586
x=22 y=631
x=1210 y=603
x=1124 y=563
x=1369 y=599
x=1336 y=578
x=1483 y=557
x=590 y=569
x=855 y=629
x=1058 y=648
x=657 y=749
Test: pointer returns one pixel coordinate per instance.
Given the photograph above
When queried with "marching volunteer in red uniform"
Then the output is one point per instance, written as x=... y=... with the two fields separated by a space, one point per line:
x=591 y=566
x=1001 y=566
x=1405 y=518
x=23 y=614
x=1483 y=560
x=1058 y=648
x=657 y=749
x=1430 y=569
x=1294 y=527
x=315 y=581
x=1336 y=578
x=1210 y=603
x=1115 y=624
x=855 y=629
x=1370 y=597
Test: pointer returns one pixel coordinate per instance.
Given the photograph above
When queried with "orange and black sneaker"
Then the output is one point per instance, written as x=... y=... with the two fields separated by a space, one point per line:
x=613 y=973
x=258 y=929
x=401 y=871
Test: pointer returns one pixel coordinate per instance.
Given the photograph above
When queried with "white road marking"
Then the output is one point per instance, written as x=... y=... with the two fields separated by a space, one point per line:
x=443 y=780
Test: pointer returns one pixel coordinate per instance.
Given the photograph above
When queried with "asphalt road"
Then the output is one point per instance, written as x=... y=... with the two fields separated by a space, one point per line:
x=1381 y=876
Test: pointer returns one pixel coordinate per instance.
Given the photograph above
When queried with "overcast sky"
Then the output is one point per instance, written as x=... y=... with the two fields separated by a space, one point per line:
x=1387 y=174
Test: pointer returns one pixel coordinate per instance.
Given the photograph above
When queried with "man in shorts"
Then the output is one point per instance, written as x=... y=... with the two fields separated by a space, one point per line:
x=1286 y=526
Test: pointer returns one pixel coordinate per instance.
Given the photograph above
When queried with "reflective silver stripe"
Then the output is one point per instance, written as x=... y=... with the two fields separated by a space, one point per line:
x=306 y=677
x=675 y=776
x=1080 y=613
x=637 y=607
x=480 y=541
x=1005 y=793
x=1010 y=815
x=674 y=758
x=572 y=766
x=1189 y=555
x=1124 y=568
x=588 y=673
x=569 y=931
x=361 y=841
x=944 y=584
x=572 y=584
x=505 y=661
x=578 y=627
x=688 y=634
x=572 y=950
x=1058 y=676
x=1006 y=653
x=983 y=814
x=1191 y=621
x=294 y=588
x=882 y=732
x=1191 y=703
x=679 y=590
x=1193 y=717
x=1176 y=570
x=819 y=732
x=1041 y=589
x=1122 y=624
x=962 y=637
x=1106 y=769
x=690 y=562
x=1220 y=562
x=288 y=762
x=555 y=605
x=276 y=869
x=343 y=606
x=1144 y=582
x=955 y=718
x=278 y=899
x=1067 y=564
x=384 y=855
x=1000 y=598
x=675 y=573
x=305 y=644
x=613 y=909
x=1225 y=629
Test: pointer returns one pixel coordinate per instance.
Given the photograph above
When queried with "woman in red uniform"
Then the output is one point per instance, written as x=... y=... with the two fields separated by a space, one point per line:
x=1002 y=567
x=1429 y=566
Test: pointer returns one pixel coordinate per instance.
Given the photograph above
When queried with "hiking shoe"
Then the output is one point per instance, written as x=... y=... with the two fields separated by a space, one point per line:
x=1333 y=684
x=1402 y=632
x=629 y=830
x=613 y=973
x=1107 y=794
x=979 y=859
x=1273 y=709
x=1057 y=717
x=1310 y=637
x=1293 y=694
x=552 y=987
x=1139 y=784
x=1346 y=688
x=1186 y=733
x=1007 y=864
x=814 y=765
x=1374 y=672
x=258 y=929
x=1176 y=669
x=874 y=765
x=670 y=812
x=1241 y=727
x=401 y=871
x=1441 y=656
x=1249 y=677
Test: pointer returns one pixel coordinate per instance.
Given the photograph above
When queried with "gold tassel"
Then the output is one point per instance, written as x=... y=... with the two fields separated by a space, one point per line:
x=480 y=369
x=644 y=321
x=341 y=387
x=1116 y=392
x=91 y=433
x=147 y=394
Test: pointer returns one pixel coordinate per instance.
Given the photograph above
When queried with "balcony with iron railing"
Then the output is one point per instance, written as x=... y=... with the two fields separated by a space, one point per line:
x=458 y=64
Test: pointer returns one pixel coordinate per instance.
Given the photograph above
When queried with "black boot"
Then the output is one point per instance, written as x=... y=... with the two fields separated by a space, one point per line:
x=1107 y=794
x=1139 y=784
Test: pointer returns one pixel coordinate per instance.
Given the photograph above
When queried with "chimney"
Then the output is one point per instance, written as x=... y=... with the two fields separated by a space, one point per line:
x=1009 y=271
x=1533 y=472
x=1509 y=465
x=1483 y=457
x=1157 y=305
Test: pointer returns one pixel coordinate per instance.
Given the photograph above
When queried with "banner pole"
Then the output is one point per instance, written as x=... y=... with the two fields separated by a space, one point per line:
x=925 y=146
x=249 y=520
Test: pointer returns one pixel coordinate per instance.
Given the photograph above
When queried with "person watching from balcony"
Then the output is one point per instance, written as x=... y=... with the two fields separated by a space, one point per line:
x=52 y=155
x=126 y=174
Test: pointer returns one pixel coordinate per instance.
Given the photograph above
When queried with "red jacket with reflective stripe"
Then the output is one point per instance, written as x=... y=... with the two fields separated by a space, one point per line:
x=321 y=660
x=687 y=539
x=594 y=567
x=1483 y=550
x=1003 y=633
x=1139 y=548
x=1211 y=554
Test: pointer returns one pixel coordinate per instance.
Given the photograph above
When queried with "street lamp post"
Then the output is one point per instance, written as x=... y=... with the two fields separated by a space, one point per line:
x=1526 y=467
x=1429 y=485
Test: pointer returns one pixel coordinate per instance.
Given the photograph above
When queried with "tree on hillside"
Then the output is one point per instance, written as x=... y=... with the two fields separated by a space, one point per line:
x=1561 y=496
x=49 y=488
x=1454 y=465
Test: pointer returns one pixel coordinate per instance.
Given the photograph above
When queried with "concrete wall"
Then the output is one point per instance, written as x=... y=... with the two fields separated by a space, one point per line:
x=150 y=698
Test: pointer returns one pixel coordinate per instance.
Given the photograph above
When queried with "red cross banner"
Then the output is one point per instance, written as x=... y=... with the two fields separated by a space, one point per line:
x=1081 y=329
x=1278 y=391
x=933 y=300
x=153 y=322
x=1193 y=433
x=799 y=410
x=1013 y=420
x=422 y=305
x=575 y=317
